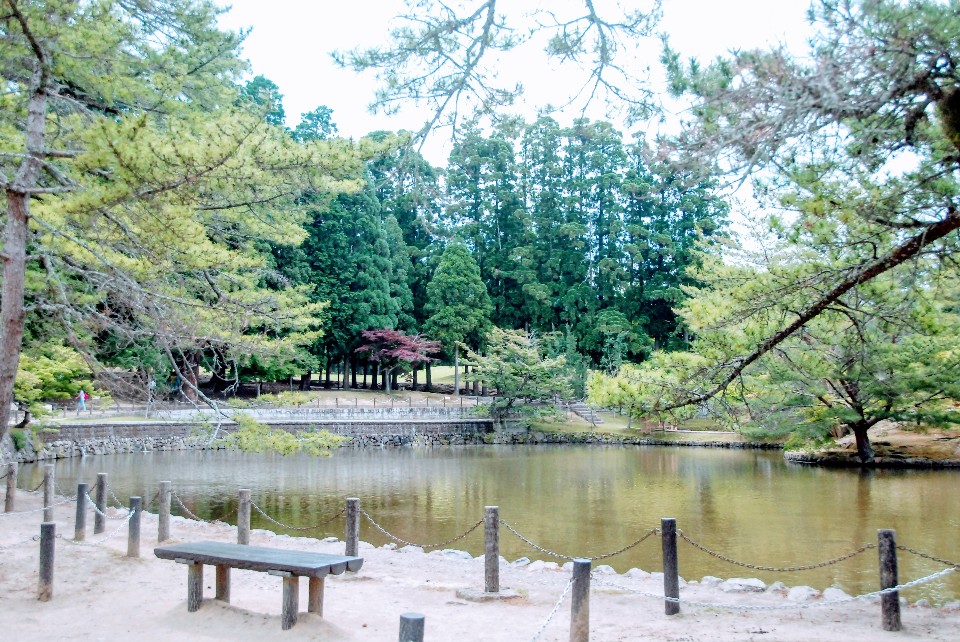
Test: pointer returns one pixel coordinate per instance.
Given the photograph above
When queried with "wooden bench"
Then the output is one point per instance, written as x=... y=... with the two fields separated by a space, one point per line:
x=290 y=565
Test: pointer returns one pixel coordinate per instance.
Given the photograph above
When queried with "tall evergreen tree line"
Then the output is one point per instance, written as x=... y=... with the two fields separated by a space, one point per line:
x=573 y=229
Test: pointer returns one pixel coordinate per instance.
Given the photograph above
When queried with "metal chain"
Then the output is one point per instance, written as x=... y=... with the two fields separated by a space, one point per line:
x=39 y=486
x=928 y=556
x=406 y=543
x=784 y=607
x=298 y=528
x=115 y=498
x=191 y=515
x=99 y=512
x=4 y=476
x=553 y=613
x=105 y=537
x=782 y=569
x=36 y=510
x=35 y=538
x=652 y=531
x=510 y=528
x=56 y=487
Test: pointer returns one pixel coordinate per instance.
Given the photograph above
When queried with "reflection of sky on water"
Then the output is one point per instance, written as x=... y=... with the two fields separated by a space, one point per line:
x=583 y=501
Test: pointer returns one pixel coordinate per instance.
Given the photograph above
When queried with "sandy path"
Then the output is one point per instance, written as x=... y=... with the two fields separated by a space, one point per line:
x=100 y=594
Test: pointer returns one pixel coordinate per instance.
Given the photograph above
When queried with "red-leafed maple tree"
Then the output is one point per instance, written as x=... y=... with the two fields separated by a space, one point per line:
x=394 y=349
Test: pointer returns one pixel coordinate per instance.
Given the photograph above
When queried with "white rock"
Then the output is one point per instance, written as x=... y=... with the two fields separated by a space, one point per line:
x=636 y=572
x=365 y=546
x=330 y=540
x=387 y=547
x=710 y=580
x=605 y=569
x=411 y=549
x=834 y=595
x=802 y=594
x=924 y=603
x=567 y=566
x=536 y=566
x=776 y=586
x=455 y=554
x=523 y=561
x=743 y=585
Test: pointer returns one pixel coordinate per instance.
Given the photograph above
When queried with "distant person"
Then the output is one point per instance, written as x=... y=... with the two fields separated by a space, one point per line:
x=81 y=401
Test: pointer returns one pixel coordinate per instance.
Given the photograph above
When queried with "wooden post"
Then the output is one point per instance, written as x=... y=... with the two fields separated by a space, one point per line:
x=889 y=602
x=48 y=535
x=580 y=602
x=48 y=472
x=194 y=585
x=353 y=525
x=163 y=516
x=315 y=596
x=11 y=487
x=411 y=627
x=80 y=523
x=243 y=517
x=133 y=533
x=100 y=501
x=671 y=577
x=223 y=582
x=491 y=549
x=291 y=599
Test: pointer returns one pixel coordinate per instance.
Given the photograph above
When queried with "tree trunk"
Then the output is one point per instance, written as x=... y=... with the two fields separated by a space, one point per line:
x=429 y=385
x=456 y=369
x=415 y=370
x=14 y=253
x=374 y=374
x=305 y=380
x=327 y=372
x=864 y=449
x=353 y=372
x=191 y=373
x=386 y=380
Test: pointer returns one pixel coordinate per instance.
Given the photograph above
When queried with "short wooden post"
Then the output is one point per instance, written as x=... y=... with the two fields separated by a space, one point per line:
x=315 y=596
x=194 y=585
x=80 y=523
x=889 y=602
x=133 y=533
x=353 y=526
x=10 y=499
x=671 y=573
x=223 y=582
x=291 y=599
x=163 y=521
x=243 y=517
x=48 y=535
x=491 y=549
x=48 y=478
x=100 y=501
x=580 y=601
x=411 y=627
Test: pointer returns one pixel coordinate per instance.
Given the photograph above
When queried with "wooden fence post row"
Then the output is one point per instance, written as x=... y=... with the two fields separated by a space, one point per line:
x=671 y=576
x=100 y=500
x=48 y=535
x=10 y=499
x=243 y=517
x=80 y=527
x=353 y=526
x=491 y=549
x=889 y=602
x=163 y=513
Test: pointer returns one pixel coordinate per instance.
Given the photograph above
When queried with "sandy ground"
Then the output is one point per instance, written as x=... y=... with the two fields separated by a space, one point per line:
x=100 y=594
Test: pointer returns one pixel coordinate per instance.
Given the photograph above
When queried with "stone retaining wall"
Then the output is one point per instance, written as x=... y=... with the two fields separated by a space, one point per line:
x=76 y=440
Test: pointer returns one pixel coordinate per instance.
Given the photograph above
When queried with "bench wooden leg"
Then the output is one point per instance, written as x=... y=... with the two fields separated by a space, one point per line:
x=223 y=582
x=194 y=586
x=291 y=601
x=315 y=596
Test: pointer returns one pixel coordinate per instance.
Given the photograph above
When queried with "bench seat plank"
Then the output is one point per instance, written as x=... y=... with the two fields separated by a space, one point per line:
x=258 y=558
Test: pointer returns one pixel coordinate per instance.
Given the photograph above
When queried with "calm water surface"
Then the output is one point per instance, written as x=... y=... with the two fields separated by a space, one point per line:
x=579 y=501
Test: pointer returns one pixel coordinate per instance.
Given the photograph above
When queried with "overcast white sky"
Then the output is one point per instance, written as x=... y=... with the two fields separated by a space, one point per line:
x=291 y=41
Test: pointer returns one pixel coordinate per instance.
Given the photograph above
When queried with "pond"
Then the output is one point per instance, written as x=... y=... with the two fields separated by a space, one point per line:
x=586 y=501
